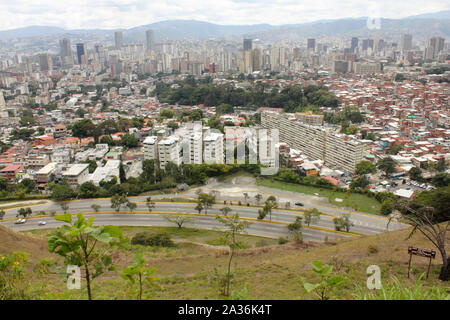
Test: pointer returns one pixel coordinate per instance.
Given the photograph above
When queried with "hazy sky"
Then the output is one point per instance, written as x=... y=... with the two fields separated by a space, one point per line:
x=107 y=14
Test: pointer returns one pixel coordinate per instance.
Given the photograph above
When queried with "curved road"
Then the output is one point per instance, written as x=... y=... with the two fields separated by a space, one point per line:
x=363 y=223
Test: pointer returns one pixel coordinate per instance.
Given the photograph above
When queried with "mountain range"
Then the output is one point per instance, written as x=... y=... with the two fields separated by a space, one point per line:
x=421 y=26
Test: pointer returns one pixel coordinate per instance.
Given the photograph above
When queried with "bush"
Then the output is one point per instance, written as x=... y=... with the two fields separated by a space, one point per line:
x=371 y=249
x=154 y=240
x=282 y=240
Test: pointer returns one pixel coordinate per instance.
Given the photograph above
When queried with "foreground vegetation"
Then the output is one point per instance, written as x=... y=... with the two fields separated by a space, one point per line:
x=266 y=270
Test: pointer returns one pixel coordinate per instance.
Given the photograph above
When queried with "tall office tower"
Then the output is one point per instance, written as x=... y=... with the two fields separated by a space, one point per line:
x=406 y=42
x=354 y=44
x=436 y=45
x=45 y=62
x=2 y=102
x=277 y=58
x=311 y=44
x=248 y=60
x=379 y=45
x=248 y=44
x=66 y=52
x=118 y=39
x=81 y=53
x=150 y=39
x=257 y=60
x=365 y=44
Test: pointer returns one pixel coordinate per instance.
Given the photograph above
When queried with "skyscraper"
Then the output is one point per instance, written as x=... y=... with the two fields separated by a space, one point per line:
x=354 y=44
x=45 y=62
x=406 y=42
x=66 y=52
x=311 y=44
x=150 y=39
x=81 y=53
x=118 y=39
x=248 y=44
x=437 y=43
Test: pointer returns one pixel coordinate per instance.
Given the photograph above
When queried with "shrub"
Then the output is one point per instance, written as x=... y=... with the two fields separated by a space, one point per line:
x=372 y=249
x=282 y=240
x=154 y=240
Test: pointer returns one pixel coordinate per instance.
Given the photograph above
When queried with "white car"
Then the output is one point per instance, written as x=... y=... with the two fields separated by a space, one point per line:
x=20 y=221
x=42 y=223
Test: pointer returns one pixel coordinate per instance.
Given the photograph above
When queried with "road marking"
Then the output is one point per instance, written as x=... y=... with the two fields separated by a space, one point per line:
x=191 y=214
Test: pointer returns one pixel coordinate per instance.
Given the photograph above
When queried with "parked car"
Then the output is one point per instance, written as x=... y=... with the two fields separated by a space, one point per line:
x=299 y=204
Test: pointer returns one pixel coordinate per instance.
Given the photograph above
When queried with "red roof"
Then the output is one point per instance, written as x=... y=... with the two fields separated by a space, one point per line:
x=12 y=167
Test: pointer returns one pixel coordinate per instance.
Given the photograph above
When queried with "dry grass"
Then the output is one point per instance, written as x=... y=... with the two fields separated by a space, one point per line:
x=271 y=272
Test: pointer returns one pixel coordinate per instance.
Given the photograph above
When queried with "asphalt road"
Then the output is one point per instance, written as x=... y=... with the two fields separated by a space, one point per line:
x=277 y=227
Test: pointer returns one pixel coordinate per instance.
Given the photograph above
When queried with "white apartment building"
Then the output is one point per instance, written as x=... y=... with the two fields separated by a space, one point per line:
x=77 y=174
x=150 y=148
x=336 y=150
x=213 y=148
x=169 y=150
x=106 y=173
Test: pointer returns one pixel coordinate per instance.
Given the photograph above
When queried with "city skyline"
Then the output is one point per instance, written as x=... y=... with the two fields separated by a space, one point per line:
x=131 y=13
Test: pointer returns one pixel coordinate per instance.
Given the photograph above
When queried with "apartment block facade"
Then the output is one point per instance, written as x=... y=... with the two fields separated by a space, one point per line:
x=317 y=143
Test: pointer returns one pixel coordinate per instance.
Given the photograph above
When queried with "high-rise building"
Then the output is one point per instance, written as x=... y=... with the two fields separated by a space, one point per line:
x=354 y=44
x=435 y=45
x=248 y=44
x=118 y=39
x=406 y=42
x=66 y=52
x=311 y=44
x=2 y=102
x=45 y=62
x=150 y=39
x=81 y=53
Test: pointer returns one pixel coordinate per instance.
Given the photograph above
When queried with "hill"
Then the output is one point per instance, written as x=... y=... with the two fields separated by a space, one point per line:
x=421 y=26
x=268 y=272
x=11 y=241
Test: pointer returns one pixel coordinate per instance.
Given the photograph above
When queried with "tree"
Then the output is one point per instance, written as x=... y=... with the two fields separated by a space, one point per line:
x=117 y=201
x=199 y=207
x=2 y=214
x=387 y=165
x=131 y=206
x=64 y=206
x=365 y=167
x=245 y=196
x=343 y=222
x=24 y=212
x=258 y=197
x=129 y=141
x=149 y=203
x=296 y=229
x=77 y=243
x=441 y=166
x=206 y=200
x=61 y=192
x=416 y=174
x=311 y=216
x=441 y=180
x=326 y=280
x=234 y=226
x=270 y=204
x=359 y=182
x=95 y=206
x=179 y=219
x=225 y=210
x=139 y=271
x=428 y=213
x=28 y=185
x=396 y=148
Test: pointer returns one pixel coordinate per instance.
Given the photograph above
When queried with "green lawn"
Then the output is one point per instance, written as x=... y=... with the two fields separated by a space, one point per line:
x=359 y=202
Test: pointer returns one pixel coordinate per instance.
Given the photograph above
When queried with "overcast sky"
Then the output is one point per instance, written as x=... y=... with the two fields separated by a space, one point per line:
x=109 y=14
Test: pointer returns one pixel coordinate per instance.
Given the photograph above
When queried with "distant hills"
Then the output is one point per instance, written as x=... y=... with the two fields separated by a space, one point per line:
x=421 y=26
